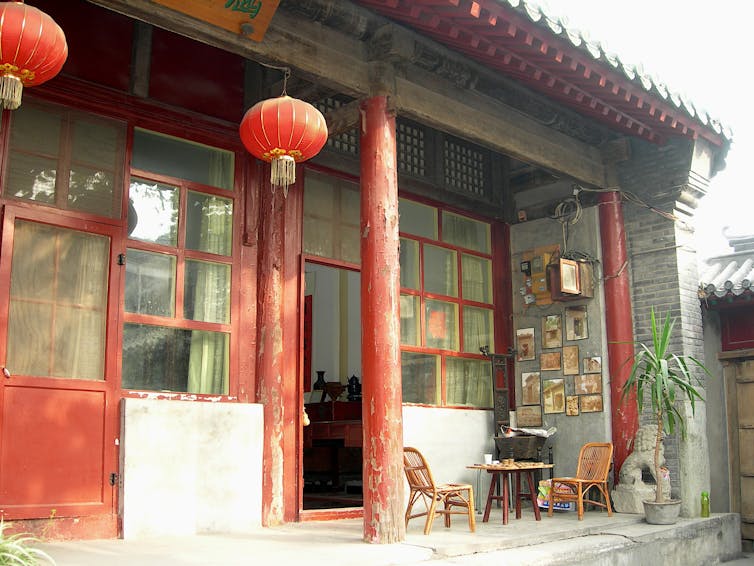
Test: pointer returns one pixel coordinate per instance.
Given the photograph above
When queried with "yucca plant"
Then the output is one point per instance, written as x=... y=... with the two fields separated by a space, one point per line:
x=667 y=380
x=15 y=549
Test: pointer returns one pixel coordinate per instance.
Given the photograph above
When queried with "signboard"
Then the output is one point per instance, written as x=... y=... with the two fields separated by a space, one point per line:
x=248 y=17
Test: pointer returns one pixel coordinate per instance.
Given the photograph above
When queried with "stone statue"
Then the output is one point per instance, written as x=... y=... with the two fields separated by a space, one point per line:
x=631 y=489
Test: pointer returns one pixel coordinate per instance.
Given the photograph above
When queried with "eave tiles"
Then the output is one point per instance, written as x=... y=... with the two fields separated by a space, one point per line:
x=518 y=38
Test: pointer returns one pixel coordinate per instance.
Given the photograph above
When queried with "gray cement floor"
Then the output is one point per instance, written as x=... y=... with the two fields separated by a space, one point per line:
x=333 y=543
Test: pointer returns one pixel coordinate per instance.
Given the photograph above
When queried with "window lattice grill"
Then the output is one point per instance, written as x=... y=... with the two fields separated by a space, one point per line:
x=464 y=168
x=411 y=149
x=347 y=142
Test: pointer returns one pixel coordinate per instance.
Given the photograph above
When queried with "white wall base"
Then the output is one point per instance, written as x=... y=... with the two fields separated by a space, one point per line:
x=190 y=467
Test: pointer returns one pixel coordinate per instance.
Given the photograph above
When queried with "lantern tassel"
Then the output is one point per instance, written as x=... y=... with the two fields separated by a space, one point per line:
x=283 y=172
x=10 y=92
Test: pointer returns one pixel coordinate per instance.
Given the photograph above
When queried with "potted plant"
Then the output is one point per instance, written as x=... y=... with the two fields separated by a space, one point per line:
x=666 y=380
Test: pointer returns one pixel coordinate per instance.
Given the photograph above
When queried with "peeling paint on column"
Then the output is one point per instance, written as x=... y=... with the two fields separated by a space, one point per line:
x=384 y=520
x=270 y=357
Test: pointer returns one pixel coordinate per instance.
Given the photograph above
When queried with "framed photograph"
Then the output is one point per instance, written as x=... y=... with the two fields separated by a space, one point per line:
x=552 y=331
x=591 y=403
x=572 y=405
x=525 y=344
x=529 y=416
x=576 y=323
x=569 y=277
x=593 y=364
x=530 y=388
x=549 y=361
x=570 y=360
x=587 y=383
x=553 y=395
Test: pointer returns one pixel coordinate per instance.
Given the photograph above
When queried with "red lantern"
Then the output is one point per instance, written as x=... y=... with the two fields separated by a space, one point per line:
x=283 y=131
x=32 y=50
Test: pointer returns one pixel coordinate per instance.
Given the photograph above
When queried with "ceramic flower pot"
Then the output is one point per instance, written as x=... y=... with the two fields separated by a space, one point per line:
x=665 y=513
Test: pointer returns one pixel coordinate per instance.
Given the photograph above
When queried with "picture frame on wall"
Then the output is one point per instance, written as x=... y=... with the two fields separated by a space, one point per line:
x=593 y=364
x=572 y=405
x=529 y=416
x=530 y=388
x=591 y=403
x=549 y=361
x=552 y=331
x=569 y=277
x=525 y=346
x=576 y=323
x=587 y=383
x=553 y=395
x=570 y=360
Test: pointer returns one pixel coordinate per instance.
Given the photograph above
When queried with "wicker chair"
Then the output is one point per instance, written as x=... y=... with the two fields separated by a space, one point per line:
x=423 y=487
x=592 y=471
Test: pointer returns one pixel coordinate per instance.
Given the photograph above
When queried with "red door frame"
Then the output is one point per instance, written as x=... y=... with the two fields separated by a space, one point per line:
x=103 y=514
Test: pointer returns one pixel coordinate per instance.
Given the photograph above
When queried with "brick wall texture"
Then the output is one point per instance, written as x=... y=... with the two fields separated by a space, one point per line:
x=663 y=270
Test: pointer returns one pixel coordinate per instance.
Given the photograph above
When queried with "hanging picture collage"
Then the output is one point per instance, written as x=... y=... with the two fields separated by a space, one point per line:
x=559 y=380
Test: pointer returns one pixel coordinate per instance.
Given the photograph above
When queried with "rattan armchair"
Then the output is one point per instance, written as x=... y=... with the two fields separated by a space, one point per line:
x=439 y=499
x=592 y=473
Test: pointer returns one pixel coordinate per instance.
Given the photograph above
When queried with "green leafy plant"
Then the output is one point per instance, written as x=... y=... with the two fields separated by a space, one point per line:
x=15 y=549
x=666 y=379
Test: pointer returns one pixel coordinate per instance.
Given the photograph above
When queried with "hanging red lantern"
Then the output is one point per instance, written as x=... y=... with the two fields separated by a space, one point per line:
x=32 y=50
x=283 y=131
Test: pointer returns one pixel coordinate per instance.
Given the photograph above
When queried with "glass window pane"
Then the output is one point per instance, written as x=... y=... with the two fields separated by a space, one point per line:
x=153 y=212
x=469 y=382
x=150 y=283
x=184 y=159
x=440 y=271
x=92 y=162
x=420 y=375
x=331 y=217
x=478 y=329
x=465 y=232
x=97 y=148
x=206 y=295
x=31 y=177
x=91 y=190
x=441 y=325
x=319 y=197
x=36 y=128
x=350 y=246
x=156 y=358
x=477 y=278
x=409 y=262
x=418 y=219
x=58 y=302
x=209 y=223
x=410 y=320
x=96 y=142
x=318 y=237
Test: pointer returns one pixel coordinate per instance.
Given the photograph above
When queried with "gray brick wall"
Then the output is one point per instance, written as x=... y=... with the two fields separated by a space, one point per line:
x=663 y=269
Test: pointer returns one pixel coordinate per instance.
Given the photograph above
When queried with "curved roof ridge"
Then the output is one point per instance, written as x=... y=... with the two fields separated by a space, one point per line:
x=634 y=72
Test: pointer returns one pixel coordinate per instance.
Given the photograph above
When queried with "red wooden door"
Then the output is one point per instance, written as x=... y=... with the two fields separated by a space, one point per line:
x=59 y=285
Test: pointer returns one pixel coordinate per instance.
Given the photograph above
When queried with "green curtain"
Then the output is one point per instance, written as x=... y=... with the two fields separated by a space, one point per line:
x=209 y=351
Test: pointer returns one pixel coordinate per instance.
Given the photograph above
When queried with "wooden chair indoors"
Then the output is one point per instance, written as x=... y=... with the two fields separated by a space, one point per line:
x=591 y=473
x=439 y=499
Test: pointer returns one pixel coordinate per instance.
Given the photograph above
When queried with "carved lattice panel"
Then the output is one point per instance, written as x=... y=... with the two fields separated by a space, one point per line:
x=411 y=149
x=465 y=168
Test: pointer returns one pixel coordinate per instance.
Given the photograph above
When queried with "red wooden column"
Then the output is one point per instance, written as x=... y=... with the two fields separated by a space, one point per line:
x=619 y=325
x=269 y=370
x=380 y=327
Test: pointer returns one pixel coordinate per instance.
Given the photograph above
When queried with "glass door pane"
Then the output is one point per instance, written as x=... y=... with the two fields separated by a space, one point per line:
x=58 y=301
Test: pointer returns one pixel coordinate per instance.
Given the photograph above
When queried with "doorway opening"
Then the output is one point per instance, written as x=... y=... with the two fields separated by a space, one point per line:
x=332 y=451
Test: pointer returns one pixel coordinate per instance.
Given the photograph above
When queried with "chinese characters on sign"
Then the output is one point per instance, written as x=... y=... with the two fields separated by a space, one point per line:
x=249 y=18
x=250 y=7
